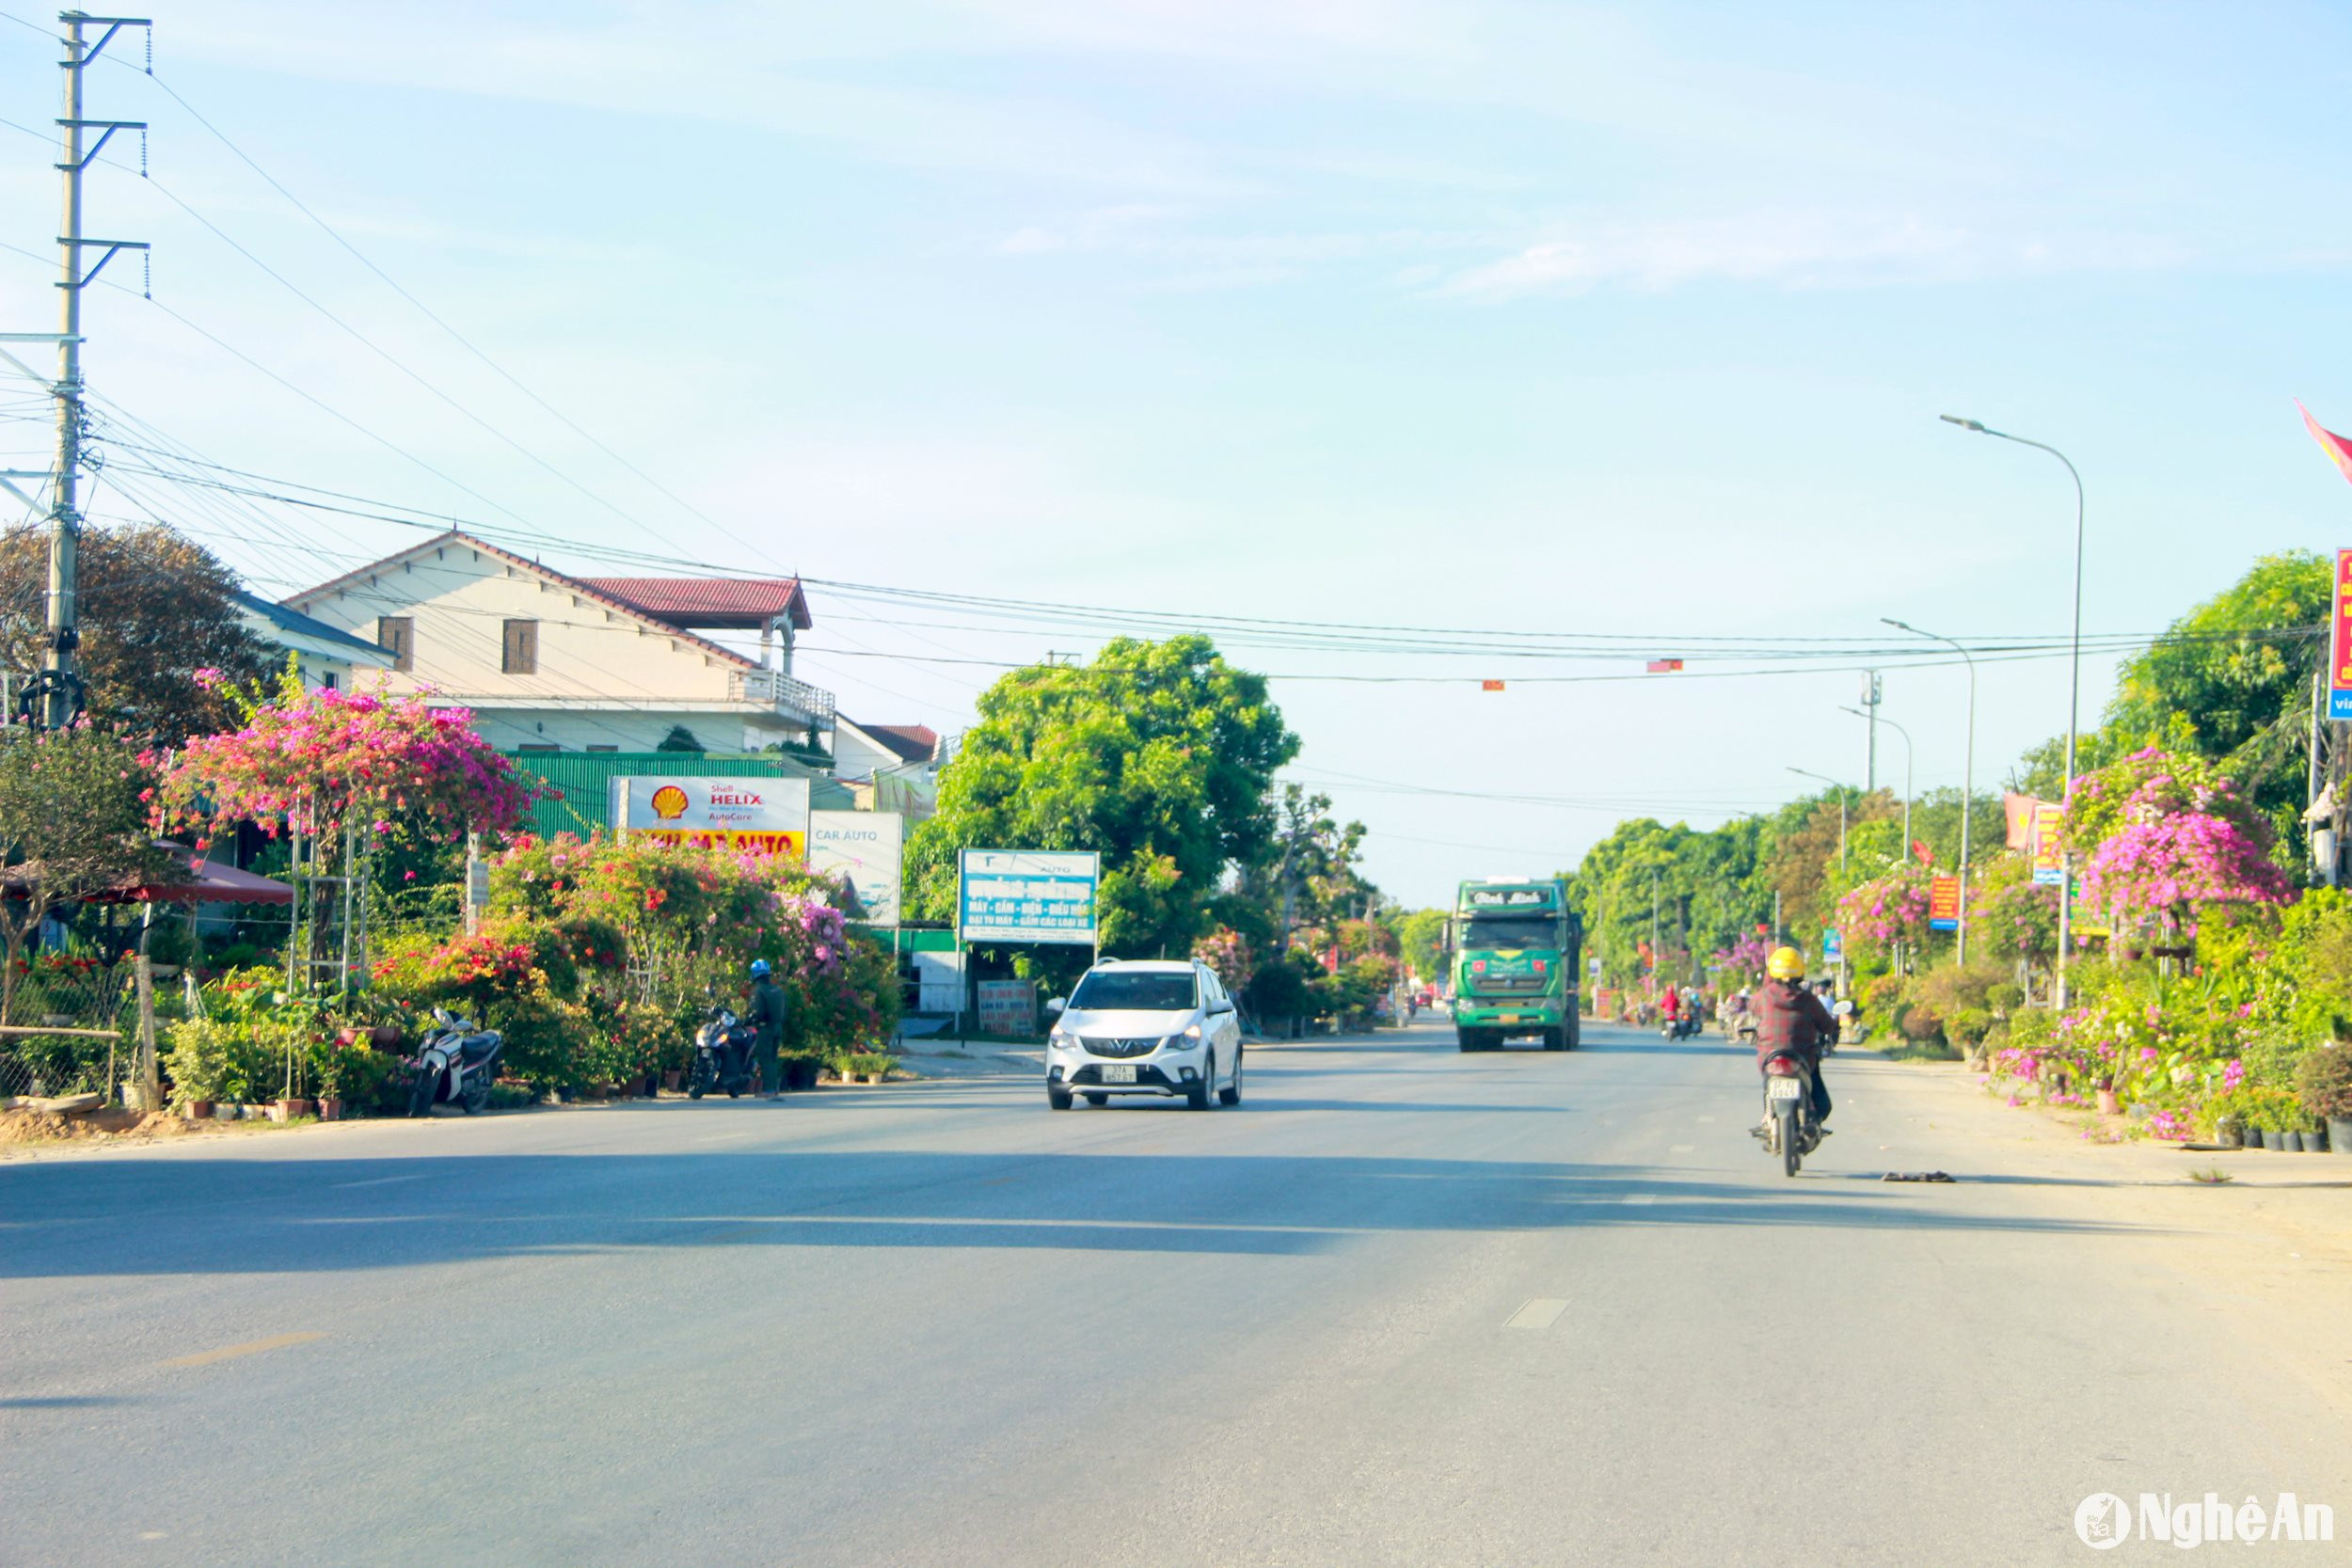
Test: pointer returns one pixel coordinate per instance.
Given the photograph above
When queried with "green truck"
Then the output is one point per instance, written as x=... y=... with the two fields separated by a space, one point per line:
x=1518 y=952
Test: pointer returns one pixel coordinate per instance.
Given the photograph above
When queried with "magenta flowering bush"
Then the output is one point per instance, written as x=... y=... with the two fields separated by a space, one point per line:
x=2164 y=837
x=313 y=762
x=1892 y=908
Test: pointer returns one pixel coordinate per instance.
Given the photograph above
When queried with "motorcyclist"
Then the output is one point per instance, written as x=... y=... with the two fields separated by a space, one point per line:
x=1670 y=1005
x=1791 y=1018
x=767 y=1015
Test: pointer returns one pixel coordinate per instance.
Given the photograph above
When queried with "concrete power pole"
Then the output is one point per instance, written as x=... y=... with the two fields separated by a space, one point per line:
x=1872 y=690
x=60 y=692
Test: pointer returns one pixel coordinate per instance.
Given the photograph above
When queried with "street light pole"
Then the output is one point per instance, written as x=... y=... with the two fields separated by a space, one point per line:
x=2073 y=691
x=1968 y=784
x=1908 y=759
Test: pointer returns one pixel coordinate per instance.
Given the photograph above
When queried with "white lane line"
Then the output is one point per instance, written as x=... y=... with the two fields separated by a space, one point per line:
x=1643 y=1197
x=380 y=1180
x=1682 y=1148
x=722 y=1138
x=1542 y=1312
x=1706 y=1118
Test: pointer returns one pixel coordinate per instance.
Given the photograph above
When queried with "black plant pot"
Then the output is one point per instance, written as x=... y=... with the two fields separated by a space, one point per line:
x=2340 y=1135
x=2273 y=1141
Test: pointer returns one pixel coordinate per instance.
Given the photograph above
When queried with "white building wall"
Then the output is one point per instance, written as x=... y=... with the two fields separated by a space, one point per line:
x=460 y=600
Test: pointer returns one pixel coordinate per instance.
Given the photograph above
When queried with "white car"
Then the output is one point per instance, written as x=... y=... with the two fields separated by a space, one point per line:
x=1139 y=1026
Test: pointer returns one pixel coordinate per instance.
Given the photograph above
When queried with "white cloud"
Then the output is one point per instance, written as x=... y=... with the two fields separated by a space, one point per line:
x=1793 y=250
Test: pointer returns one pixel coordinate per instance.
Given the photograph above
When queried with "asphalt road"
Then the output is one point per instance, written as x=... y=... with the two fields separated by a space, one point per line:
x=1403 y=1307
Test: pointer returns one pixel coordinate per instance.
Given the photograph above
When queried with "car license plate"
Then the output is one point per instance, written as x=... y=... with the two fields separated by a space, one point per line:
x=1119 y=1072
x=1783 y=1088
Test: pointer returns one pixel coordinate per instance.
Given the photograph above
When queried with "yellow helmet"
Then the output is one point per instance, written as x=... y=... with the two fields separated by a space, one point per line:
x=1785 y=963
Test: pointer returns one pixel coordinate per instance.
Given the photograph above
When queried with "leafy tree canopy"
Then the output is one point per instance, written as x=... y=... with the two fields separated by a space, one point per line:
x=155 y=607
x=1158 y=755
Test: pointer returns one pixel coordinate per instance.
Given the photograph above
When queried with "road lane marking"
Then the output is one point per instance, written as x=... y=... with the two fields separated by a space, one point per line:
x=724 y=1138
x=380 y=1180
x=1542 y=1312
x=1682 y=1148
x=251 y=1347
x=1643 y=1197
x=1706 y=1118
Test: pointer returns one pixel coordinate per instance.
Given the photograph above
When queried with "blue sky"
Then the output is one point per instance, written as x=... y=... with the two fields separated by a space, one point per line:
x=1623 y=320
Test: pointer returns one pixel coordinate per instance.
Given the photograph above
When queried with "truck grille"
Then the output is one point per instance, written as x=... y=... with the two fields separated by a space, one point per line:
x=1122 y=1048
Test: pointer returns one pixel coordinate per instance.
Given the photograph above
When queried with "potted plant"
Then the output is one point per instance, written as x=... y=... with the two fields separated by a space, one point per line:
x=2322 y=1080
x=199 y=1063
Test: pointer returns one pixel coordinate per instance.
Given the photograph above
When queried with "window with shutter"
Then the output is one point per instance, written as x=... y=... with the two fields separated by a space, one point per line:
x=397 y=634
x=522 y=648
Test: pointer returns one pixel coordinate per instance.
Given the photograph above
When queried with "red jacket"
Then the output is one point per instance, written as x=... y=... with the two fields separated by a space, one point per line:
x=1791 y=1018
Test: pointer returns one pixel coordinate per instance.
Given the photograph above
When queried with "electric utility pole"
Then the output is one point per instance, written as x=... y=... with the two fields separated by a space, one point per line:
x=1872 y=689
x=55 y=699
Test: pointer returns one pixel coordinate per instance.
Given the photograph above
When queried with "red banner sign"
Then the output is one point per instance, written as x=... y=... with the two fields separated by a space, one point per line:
x=1944 y=904
x=2340 y=642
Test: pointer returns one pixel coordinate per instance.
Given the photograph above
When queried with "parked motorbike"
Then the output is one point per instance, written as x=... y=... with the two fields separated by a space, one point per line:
x=1790 y=1130
x=722 y=1055
x=456 y=1062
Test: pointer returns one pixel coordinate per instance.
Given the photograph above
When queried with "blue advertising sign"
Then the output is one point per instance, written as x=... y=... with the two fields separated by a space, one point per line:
x=1833 y=946
x=1007 y=896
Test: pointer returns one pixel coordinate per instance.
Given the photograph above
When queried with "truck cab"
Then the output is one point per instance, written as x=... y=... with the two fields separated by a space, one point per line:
x=1518 y=956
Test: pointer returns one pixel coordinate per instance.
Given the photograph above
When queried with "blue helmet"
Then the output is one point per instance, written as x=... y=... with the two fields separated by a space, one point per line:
x=759 y=969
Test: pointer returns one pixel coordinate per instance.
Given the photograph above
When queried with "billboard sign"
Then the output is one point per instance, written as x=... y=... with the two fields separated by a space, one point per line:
x=2340 y=642
x=2048 y=864
x=1006 y=1007
x=1833 y=946
x=1027 y=895
x=1944 y=904
x=769 y=817
x=863 y=847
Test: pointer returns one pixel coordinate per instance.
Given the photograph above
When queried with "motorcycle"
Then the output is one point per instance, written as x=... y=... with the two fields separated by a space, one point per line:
x=722 y=1055
x=1682 y=1026
x=456 y=1062
x=1791 y=1129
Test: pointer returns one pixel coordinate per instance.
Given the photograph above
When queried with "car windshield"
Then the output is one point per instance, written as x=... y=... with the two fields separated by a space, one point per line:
x=1508 y=933
x=1134 y=990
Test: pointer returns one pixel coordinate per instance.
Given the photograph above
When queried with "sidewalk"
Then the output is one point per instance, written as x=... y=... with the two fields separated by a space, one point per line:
x=2267 y=1253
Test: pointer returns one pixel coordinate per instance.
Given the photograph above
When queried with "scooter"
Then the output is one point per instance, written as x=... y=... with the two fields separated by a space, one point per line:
x=722 y=1055
x=1790 y=1130
x=456 y=1062
x=1682 y=1026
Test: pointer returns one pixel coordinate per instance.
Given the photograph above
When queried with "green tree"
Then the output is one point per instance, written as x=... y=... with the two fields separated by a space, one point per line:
x=2231 y=682
x=1160 y=756
x=72 y=824
x=1421 y=936
x=155 y=608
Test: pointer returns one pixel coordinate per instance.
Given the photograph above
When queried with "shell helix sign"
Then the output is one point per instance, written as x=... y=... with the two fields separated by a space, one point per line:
x=767 y=817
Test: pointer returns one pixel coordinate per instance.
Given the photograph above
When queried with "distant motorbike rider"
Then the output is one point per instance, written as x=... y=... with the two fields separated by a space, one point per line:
x=1670 y=1006
x=1789 y=1018
x=767 y=1014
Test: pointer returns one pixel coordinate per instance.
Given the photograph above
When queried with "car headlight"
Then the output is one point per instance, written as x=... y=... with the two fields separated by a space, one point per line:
x=1063 y=1039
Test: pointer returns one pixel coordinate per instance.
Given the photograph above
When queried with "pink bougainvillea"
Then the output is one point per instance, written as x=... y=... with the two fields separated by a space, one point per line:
x=2163 y=837
x=1892 y=908
x=315 y=762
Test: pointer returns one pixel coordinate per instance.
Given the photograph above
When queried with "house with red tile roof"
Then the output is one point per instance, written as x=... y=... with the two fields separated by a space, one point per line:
x=549 y=662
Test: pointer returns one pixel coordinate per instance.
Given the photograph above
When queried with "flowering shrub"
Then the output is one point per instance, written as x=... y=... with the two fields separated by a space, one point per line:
x=1227 y=953
x=316 y=761
x=1890 y=909
x=2165 y=837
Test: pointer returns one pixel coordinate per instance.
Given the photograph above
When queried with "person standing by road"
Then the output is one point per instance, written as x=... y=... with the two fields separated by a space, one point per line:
x=767 y=1014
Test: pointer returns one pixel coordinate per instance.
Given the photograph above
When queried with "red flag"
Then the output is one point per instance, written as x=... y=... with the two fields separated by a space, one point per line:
x=1489 y=686
x=2338 y=448
x=1662 y=666
x=1924 y=855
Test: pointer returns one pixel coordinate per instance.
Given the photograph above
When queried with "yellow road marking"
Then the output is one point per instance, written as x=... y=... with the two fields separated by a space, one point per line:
x=251 y=1347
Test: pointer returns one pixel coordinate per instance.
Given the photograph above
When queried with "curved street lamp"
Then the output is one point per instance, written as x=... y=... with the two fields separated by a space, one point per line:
x=1907 y=761
x=2073 y=686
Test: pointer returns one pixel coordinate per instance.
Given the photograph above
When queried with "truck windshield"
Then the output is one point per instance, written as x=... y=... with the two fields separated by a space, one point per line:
x=1134 y=991
x=1508 y=933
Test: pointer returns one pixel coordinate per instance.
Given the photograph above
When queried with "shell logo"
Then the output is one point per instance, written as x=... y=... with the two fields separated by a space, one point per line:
x=669 y=802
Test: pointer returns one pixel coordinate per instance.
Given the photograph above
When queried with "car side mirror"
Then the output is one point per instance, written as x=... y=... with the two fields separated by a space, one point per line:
x=1215 y=1007
x=1056 y=1005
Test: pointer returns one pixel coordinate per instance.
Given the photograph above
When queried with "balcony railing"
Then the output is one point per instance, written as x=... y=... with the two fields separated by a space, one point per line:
x=779 y=691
